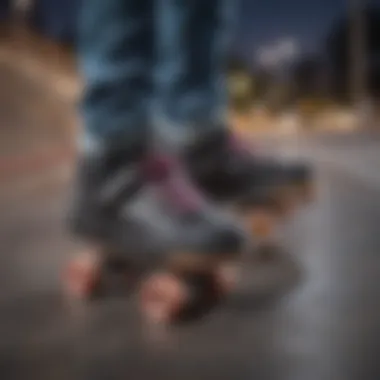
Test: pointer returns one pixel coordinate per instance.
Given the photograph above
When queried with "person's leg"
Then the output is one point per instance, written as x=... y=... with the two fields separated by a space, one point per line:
x=115 y=50
x=192 y=40
x=115 y=54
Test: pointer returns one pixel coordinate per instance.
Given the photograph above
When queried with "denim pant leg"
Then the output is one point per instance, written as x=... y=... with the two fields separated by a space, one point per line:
x=192 y=43
x=115 y=51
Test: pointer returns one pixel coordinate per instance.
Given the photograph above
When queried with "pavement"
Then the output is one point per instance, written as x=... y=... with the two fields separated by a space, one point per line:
x=311 y=313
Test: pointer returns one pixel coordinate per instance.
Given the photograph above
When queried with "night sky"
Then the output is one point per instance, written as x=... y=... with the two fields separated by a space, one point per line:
x=263 y=22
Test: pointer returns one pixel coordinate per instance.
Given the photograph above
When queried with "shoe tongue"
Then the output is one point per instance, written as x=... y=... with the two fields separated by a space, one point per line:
x=158 y=168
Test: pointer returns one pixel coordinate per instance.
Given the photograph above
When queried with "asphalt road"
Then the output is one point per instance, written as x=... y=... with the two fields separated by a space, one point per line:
x=311 y=314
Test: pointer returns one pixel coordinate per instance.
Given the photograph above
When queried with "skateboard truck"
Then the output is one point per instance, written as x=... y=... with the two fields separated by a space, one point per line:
x=189 y=286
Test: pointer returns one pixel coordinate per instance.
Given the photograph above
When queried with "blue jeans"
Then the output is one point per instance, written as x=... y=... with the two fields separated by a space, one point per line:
x=148 y=62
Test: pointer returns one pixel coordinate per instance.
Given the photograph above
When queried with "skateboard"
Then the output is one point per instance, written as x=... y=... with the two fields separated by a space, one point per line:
x=182 y=288
x=188 y=287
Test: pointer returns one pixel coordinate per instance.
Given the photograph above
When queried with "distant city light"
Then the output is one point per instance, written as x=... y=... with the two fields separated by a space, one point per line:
x=283 y=51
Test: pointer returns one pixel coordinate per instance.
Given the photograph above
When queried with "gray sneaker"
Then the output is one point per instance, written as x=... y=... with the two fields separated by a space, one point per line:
x=144 y=206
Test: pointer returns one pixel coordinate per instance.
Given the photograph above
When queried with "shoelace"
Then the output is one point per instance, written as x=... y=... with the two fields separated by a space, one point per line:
x=168 y=174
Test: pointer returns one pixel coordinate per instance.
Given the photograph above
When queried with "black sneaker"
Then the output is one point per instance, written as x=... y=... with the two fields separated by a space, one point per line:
x=228 y=171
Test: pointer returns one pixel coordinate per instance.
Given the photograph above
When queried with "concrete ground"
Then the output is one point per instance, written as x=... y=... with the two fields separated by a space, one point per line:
x=310 y=314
